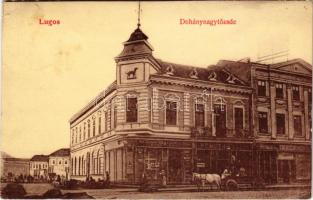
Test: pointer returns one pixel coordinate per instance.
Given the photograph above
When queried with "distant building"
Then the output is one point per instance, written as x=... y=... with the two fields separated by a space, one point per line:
x=14 y=167
x=39 y=166
x=59 y=162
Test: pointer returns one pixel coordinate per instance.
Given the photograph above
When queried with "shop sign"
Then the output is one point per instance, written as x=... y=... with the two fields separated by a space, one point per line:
x=267 y=147
x=225 y=146
x=294 y=148
x=163 y=143
x=201 y=165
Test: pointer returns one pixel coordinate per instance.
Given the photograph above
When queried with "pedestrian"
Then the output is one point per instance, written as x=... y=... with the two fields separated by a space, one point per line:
x=107 y=179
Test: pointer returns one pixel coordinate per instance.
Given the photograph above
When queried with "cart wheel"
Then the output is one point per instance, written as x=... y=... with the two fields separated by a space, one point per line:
x=231 y=185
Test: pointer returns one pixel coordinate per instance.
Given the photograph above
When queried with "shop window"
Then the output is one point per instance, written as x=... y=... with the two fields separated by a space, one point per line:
x=199 y=115
x=279 y=91
x=280 y=120
x=263 y=125
x=295 y=93
x=131 y=112
x=261 y=88
x=297 y=125
x=171 y=113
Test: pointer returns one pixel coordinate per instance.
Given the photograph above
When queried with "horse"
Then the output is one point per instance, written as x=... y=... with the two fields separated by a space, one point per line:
x=202 y=179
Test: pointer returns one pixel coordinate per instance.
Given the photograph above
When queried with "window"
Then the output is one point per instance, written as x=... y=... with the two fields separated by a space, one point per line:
x=261 y=88
x=115 y=116
x=93 y=127
x=131 y=112
x=76 y=134
x=297 y=125
x=53 y=162
x=72 y=136
x=238 y=119
x=279 y=91
x=60 y=162
x=105 y=121
x=263 y=126
x=80 y=133
x=88 y=128
x=171 y=113
x=65 y=162
x=199 y=115
x=280 y=121
x=84 y=137
x=99 y=125
x=295 y=93
x=310 y=96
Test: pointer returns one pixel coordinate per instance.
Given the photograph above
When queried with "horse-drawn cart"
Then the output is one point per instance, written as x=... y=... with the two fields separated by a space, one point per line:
x=235 y=182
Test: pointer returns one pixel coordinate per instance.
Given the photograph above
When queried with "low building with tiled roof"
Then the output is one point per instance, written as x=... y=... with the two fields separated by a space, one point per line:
x=59 y=162
x=38 y=166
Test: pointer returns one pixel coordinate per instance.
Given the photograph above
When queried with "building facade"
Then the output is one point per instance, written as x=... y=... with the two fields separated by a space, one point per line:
x=38 y=166
x=165 y=118
x=282 y=105
x=59 y=163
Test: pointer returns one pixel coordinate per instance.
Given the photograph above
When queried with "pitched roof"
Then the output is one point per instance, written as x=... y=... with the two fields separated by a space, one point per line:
x=221 y=74
x=41 y=158
x=137 y=35
x=298 y=60
x=61 y=152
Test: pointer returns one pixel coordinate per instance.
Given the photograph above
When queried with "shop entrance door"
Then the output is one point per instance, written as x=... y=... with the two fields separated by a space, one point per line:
x=286 y=171
x=175 y=167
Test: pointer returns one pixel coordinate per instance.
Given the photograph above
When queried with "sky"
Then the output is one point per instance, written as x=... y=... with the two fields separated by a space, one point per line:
x=50 y=72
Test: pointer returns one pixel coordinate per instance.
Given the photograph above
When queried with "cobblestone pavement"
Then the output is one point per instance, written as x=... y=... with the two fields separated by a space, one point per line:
x=131 y=193
x=277 y=194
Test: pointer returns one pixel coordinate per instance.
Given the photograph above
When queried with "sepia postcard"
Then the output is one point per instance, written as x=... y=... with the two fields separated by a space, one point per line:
x=156 y=100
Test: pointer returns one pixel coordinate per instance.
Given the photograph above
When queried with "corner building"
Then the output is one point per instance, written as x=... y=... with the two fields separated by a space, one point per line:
x=165 y=117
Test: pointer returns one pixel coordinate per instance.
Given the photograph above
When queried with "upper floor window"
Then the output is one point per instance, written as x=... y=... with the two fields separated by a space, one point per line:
x=310 y=96
x=76 y=134
x=199 y=115
x=65 y=162
x=105 y=121
x=238 y=119
x=99 y=125
x=72 y=136
x=80 y=133
x=279 y=91
x=53 y=162
x=131 y=112
x=93 y=127
x=171 y=113
x=295 y=93
x=263 y=125
x=115 y=116
x=84 y=135
x=60 y=162
x=88 y=128
x=261 y=88
x=297 y=125
x=280 y=121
